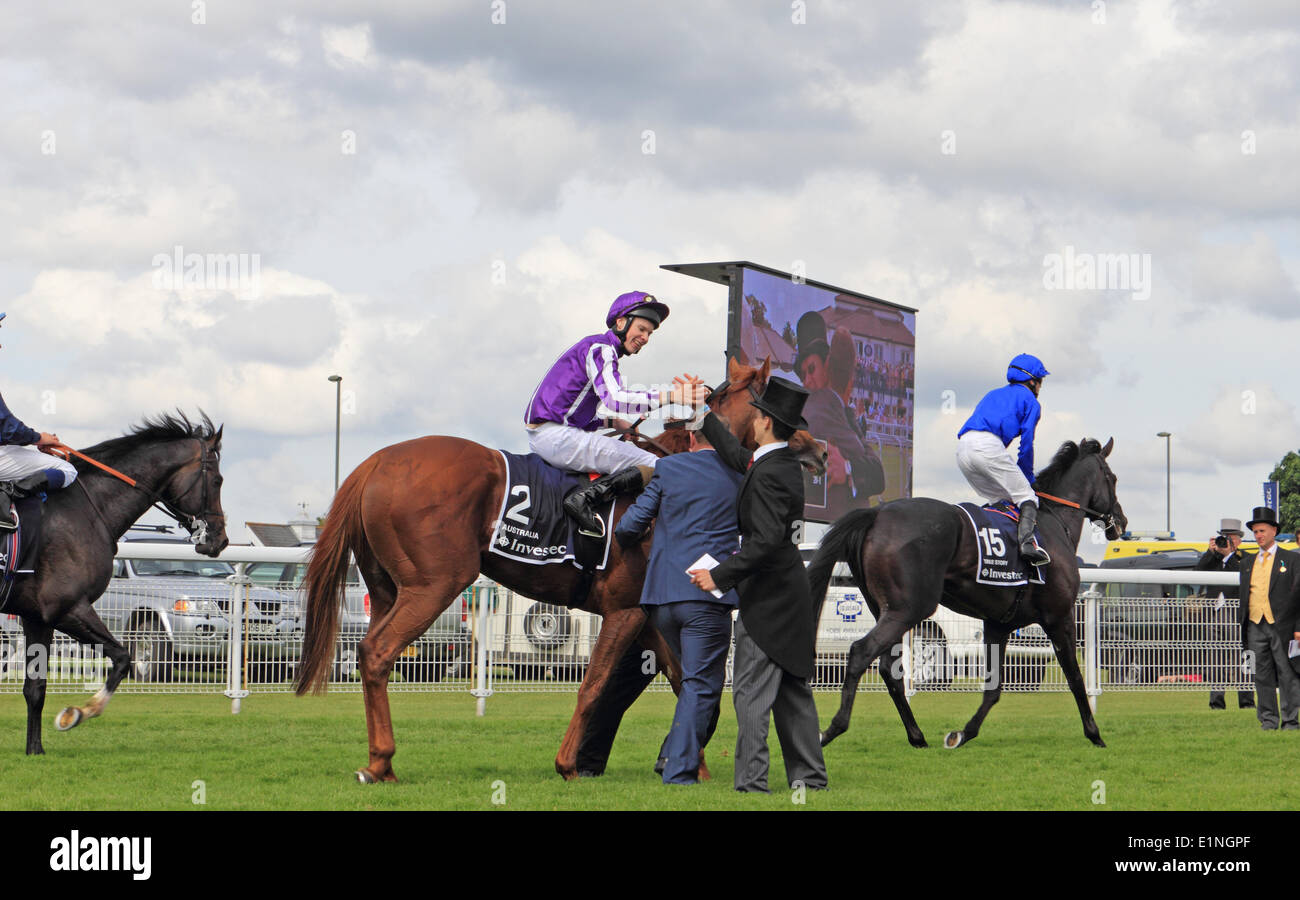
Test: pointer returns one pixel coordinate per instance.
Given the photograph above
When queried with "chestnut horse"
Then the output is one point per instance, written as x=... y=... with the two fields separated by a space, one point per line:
x=418 y=517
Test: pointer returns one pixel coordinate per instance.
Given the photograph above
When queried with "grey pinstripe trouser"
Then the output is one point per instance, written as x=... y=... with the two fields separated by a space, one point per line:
x=761 y=688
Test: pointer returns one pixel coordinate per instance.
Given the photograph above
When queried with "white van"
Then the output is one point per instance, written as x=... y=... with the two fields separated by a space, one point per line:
x=946 y=648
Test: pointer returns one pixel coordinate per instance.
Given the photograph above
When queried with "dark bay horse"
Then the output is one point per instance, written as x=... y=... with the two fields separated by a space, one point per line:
x=910 y=555
x=174 y=462
x=418 y=517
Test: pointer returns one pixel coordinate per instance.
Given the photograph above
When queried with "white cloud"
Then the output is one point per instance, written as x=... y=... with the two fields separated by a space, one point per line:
x=347 y=46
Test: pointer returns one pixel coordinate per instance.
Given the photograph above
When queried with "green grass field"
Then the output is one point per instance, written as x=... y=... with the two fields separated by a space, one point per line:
x=1165 y=752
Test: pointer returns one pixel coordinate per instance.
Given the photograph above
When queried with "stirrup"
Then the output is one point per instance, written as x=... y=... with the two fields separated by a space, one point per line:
x=599 y=535
x=1031 y=554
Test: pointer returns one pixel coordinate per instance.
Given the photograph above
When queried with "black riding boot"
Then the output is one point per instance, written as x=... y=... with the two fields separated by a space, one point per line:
x=1029 y=549
x=582 y=503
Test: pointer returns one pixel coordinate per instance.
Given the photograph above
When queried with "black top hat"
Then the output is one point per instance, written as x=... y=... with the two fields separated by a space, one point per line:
x=783 y=400
x=810 y=336
x=1265 y=515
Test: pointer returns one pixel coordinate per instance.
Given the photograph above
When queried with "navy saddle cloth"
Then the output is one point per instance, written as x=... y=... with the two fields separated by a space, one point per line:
x=532 y=526
x=995 y=526
x=18 y=547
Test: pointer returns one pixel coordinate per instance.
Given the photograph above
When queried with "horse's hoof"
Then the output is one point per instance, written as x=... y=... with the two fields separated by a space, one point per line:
x=825 y=737
x=364 y=776
x=70 y=717
x=1098 y=741
x=954 y=739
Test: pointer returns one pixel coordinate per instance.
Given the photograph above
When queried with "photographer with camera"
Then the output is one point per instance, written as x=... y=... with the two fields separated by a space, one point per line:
x=1224 y=555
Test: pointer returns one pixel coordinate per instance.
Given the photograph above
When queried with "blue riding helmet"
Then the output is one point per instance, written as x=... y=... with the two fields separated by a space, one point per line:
x=636 y=303
x=1026 y=368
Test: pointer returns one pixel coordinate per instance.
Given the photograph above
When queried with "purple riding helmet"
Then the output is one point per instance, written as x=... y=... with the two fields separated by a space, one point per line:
x=636 y=303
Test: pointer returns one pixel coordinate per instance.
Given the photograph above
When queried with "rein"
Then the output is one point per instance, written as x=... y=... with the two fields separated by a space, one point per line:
x=633 y=436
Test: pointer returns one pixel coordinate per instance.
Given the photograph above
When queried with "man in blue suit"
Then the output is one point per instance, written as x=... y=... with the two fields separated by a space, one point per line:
x=693 y=495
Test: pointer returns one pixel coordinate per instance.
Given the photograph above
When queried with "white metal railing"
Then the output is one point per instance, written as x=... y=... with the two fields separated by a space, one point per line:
x=249 y=638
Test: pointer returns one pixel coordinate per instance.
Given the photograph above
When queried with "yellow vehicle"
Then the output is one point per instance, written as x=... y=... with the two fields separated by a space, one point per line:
x=1123 y=549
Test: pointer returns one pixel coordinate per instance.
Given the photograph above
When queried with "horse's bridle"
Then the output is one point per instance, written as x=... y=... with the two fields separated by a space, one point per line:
x=716 y=393
x=1106 y=518
x=196 y=525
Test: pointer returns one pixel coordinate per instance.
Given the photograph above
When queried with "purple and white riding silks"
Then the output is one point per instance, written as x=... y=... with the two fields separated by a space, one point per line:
x=583 y=387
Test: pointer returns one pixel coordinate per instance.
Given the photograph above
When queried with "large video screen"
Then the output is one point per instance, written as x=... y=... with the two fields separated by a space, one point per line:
x=856 y=357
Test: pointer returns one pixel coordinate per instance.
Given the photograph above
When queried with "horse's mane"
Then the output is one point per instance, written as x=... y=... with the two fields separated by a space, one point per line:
x=1070 y=453
x=153 y=430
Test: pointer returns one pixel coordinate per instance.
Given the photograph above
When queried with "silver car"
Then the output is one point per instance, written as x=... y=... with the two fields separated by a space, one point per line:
x=176 y=614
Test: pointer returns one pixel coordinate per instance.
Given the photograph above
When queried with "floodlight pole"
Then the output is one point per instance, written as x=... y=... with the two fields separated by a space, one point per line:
x=338 y=421
x=1166 y=435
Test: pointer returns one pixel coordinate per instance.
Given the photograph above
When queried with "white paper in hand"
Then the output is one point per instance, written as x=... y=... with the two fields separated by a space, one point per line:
x=705 y=562
x=1294 y=650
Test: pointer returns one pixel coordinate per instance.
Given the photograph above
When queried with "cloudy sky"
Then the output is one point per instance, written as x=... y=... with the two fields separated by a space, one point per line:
x=441 y=197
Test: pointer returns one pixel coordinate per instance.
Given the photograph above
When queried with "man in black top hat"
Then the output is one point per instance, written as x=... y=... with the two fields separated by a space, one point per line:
x=776 y=628
x=1268 y=615
x=1224 y=555
x=853 y=472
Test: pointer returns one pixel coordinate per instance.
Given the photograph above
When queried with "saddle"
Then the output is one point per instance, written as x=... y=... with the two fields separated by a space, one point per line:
x=20 y=532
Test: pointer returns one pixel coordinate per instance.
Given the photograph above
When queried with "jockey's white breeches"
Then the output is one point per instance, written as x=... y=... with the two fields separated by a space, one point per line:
x=585 y=451
x=20 y=460
x=991 y=470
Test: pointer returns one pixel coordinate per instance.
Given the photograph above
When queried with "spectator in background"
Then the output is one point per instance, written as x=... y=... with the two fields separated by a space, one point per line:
x=1224 y=555
x=1268 y=621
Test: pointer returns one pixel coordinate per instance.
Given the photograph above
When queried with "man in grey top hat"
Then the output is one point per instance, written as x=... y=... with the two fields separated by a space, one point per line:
x=1224 y=555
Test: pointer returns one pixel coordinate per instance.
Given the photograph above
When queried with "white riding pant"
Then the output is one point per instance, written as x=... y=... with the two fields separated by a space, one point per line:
x=991 y=470
x=20 y=460
x=585 y=451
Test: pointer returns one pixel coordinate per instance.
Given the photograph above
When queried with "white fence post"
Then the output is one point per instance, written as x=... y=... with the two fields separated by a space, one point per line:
x=1091 y=658
x=485 y=597
x=235 y=689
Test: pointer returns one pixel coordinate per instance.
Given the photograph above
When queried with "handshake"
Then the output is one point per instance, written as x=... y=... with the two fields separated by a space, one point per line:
x=688 y=390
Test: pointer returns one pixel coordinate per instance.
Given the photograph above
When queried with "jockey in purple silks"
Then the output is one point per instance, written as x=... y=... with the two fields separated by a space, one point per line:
x=584 y=387
x=23 y=462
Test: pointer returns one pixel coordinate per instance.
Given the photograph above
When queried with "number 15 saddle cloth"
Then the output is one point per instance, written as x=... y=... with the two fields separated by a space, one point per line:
x=999 y=563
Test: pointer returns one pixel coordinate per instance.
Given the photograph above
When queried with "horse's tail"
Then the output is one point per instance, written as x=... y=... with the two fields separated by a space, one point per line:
x=327 y=572
x=843 y=543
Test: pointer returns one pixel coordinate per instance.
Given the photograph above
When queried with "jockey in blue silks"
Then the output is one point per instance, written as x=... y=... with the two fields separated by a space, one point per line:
x=24 y=463
x=1003 y=415
x=582 y=388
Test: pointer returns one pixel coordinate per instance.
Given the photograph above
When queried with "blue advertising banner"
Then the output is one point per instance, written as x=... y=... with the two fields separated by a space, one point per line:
x=1271 y=495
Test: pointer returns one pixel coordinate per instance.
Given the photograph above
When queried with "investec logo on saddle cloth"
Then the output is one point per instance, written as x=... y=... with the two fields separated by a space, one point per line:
x=532 y=526
x=999 y=560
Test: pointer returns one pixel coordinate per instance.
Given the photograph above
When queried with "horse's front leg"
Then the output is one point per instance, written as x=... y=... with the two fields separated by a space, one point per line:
x=36 y=669
x=1062 y=635
x=617 y=633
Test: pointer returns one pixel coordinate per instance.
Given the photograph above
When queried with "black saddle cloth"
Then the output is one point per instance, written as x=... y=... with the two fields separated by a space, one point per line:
x=18 y=548
x=532 y=526
x=1000 y=563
